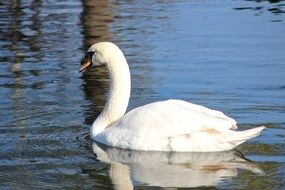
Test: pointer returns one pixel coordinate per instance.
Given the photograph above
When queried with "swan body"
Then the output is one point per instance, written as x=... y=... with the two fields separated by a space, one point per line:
x=171 y=125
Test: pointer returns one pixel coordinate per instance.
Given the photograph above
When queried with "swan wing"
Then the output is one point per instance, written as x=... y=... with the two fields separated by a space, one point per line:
x=175 y=118
x=175 y=125
x=157 y=125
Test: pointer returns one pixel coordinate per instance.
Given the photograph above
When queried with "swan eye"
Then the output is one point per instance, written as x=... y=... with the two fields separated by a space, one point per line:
x=88 y=57
x=90 y=54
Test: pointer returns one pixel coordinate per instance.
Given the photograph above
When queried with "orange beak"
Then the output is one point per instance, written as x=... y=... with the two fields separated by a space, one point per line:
x=86 y=63
x=85 y=66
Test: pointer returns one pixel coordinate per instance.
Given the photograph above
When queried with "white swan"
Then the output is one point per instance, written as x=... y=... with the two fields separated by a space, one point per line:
x=172 y=125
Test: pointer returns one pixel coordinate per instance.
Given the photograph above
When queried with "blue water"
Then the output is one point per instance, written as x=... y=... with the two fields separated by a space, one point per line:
x=226 y=55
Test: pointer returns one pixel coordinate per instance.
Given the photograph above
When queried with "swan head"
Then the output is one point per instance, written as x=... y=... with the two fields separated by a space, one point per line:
x=99 y=54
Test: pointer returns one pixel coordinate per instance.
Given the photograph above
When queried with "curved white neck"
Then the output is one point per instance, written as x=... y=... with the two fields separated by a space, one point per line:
x=119 y=93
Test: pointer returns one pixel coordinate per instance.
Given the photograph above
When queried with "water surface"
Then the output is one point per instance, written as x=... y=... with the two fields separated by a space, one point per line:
x=227 y=55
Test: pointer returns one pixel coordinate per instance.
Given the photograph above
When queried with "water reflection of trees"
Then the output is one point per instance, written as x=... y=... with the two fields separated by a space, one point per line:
x=21 y=38
x=19 y=33
x=103 y=21
x=95 y=18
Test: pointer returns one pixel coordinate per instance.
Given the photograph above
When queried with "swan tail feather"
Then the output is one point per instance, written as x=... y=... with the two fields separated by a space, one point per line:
x=238 y=137
x=215 y=141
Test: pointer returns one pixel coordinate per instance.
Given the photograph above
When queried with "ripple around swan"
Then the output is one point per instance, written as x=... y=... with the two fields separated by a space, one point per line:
x=227 y=55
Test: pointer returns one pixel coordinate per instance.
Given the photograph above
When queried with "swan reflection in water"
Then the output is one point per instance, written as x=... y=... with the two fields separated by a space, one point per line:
x=129 y=168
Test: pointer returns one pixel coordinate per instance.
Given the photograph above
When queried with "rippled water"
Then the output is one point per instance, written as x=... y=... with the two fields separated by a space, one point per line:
x=227 y=55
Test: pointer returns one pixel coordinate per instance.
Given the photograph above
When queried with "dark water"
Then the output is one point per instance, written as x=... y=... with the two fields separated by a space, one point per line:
x=227 y=55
